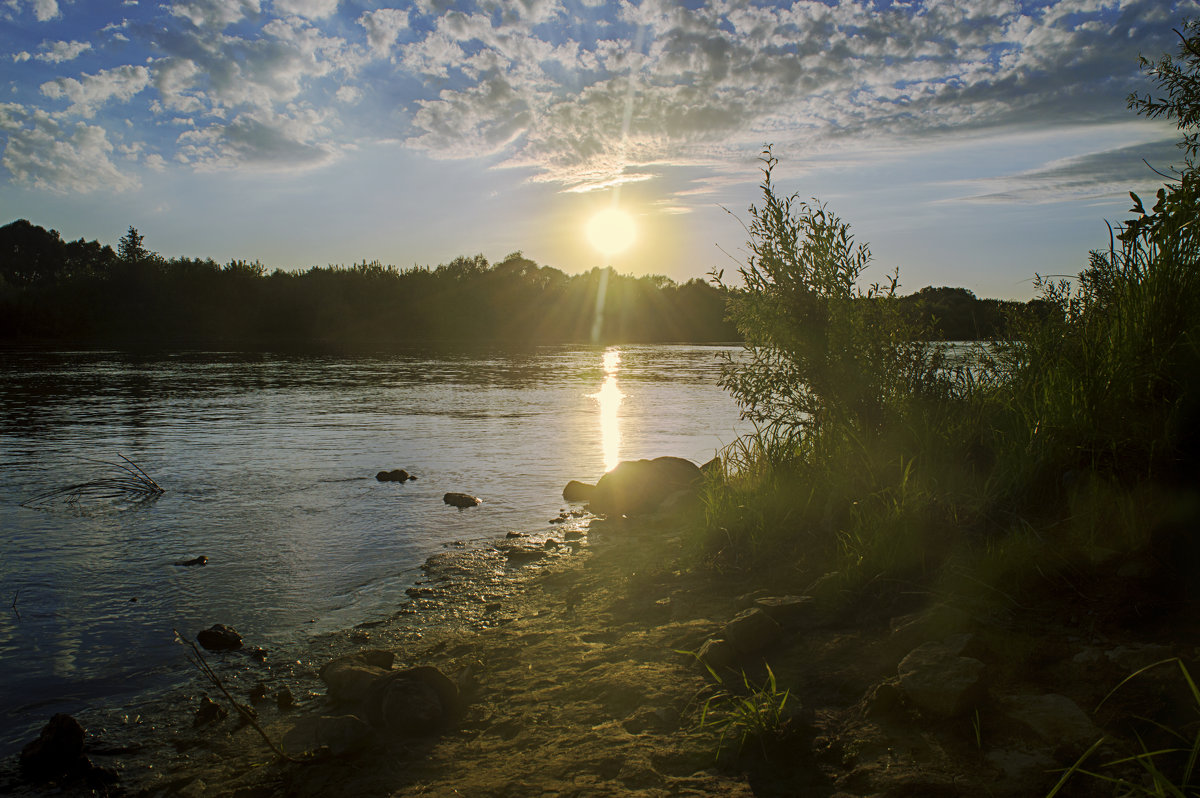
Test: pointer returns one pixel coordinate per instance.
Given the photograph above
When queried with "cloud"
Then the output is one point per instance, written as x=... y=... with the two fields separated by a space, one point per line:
x=383 y=28
x=56 y=52
x=262 y=140
x=92 y=91
x=217 y=14
x=42 y=153
x=696 y=85
x=311 y=9
x=45 y=10
x=1093 y=175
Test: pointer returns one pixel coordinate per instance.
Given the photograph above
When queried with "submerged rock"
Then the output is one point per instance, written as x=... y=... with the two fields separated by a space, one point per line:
x=395 y=475
x=219 y=637
x=351 y=678
x=201 y=560
x=461 y=500
x=637 y=487
x=208 y=712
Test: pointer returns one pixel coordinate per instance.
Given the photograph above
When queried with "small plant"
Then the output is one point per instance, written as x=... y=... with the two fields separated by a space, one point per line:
x=756 y=714
x=1165 y=771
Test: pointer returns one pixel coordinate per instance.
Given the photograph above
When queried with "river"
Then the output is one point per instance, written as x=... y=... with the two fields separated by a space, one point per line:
x=268 y=464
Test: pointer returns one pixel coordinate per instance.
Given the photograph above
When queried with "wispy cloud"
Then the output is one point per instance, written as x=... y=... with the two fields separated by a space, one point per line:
x=1093 y=175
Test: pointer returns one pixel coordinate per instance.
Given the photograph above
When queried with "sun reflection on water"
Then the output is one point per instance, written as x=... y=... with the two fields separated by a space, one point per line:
x=609 y=399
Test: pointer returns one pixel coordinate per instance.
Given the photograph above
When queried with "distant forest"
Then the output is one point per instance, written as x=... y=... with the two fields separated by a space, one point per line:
x=86 y=293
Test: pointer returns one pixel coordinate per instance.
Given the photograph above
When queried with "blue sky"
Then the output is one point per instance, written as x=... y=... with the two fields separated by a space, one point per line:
x=970 y=142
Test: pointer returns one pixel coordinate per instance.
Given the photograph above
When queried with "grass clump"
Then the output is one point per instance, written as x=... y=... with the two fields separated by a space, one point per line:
x=753 y=711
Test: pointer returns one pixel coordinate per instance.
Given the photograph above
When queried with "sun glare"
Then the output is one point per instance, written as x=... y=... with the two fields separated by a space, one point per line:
x=611 y=231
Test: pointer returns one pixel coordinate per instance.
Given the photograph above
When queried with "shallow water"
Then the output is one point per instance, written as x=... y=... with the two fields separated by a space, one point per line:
x=268 y=463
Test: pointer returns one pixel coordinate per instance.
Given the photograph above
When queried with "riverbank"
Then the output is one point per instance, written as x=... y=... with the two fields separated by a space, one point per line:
x=578 y=681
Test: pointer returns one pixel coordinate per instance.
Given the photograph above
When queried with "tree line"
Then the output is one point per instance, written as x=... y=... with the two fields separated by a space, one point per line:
x=84 y=292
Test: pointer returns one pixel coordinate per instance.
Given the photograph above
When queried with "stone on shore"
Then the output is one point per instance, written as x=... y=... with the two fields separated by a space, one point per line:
x=350 y=678
x=577 y=491
x=219 y=637
x=637 y=487
x=340 y=734
x=751 y=631
x=57 y=751
x=461 y=500
x=938 y=681
x=414 y=702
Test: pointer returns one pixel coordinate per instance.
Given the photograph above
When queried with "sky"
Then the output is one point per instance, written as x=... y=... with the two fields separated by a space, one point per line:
x=970 y=143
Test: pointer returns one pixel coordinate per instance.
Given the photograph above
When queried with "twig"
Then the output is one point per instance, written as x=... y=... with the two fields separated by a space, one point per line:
x=198 y=660
x=133 y=482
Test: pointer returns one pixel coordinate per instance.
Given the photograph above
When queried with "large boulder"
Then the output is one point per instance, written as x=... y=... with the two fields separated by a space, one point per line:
x=637 y=487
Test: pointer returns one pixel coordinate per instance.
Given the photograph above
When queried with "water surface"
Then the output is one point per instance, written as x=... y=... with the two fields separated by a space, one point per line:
x=269 y=465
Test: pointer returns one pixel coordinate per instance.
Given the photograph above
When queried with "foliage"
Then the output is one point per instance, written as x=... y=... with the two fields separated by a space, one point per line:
x=48 y=290
x=904 y=466
x=821 y=349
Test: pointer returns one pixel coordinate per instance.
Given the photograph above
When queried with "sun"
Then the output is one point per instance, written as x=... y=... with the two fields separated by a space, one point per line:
x=611 y=231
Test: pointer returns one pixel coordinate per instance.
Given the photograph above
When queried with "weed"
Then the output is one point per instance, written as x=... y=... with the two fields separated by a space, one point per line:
x=754 y=712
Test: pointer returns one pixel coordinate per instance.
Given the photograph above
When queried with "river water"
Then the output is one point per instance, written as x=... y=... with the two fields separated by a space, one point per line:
x=268 y=464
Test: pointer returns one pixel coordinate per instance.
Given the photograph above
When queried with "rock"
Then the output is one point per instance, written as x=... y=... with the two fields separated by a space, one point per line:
x=414 y=702
x=577 y=491
x=201 y=560
x=209 y=712
x=350 y=678
x=751 y=631
x=939 y=682
x=461 y=500
x=1053 y=718
x=640 y=486
x=524 y=554
x=258 y=653
x=717 y=653
x=219 y=637
x=883 y=700
x=395 y=475
x=792 y=612
x=341 y=734
x=57 y=752
x=1023 y=772
x=284 y=700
